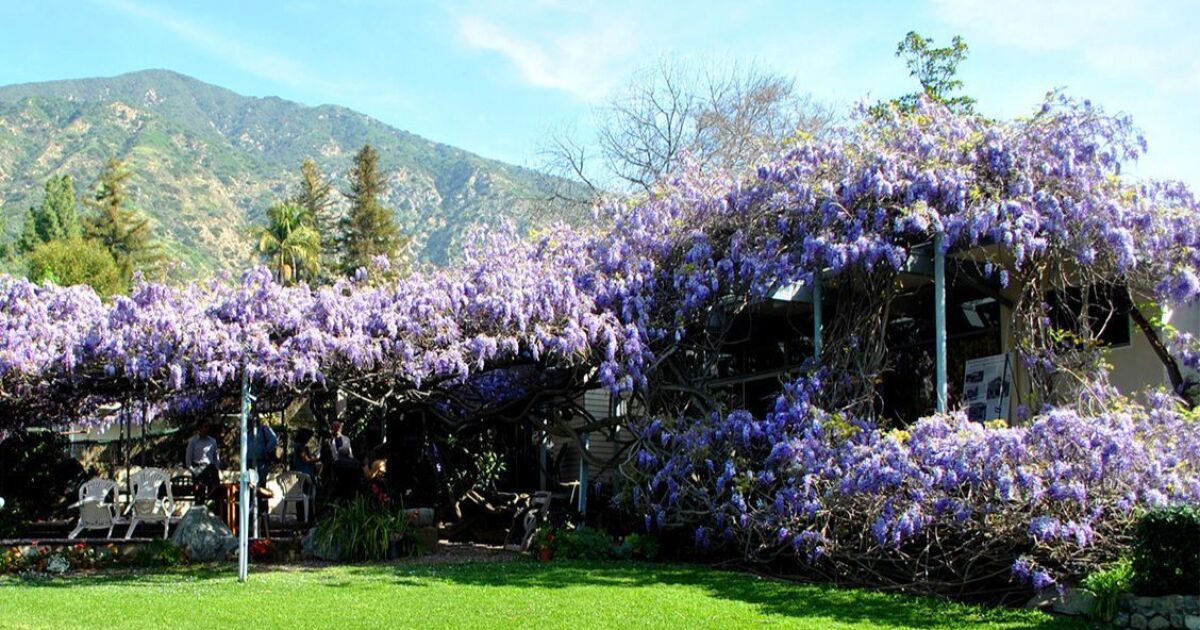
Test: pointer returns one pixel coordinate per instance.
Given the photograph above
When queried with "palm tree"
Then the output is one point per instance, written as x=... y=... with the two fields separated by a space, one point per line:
x=289 y=243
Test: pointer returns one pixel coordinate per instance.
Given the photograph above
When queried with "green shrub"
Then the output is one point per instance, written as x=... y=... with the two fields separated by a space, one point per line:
x=158 y=553
x=583 y=543
x=1108 y=586
x=1166 y=552
x=640 y=547
x=360 y=530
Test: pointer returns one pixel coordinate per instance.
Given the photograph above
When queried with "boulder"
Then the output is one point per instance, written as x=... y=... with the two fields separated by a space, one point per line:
x=203 y=536
x=1192 y=622
x=1074 y=601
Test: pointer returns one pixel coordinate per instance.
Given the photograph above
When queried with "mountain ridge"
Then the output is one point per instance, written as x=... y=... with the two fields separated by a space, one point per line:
x=207 y=161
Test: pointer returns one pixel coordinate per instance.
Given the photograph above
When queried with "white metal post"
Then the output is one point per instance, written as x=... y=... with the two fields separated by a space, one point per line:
x=939 y=322
x=583 y=473
x=244 y=485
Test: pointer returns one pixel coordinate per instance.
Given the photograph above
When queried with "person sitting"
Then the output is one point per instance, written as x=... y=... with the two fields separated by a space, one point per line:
x=303 y=459
x=203 y=459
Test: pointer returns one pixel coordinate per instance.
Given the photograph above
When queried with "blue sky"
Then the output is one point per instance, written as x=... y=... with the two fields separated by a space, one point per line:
x=496 y=76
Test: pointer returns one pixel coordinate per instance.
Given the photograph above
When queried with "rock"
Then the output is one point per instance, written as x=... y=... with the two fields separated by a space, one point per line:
x=203 y=536
x=1176 y=620
x=1121 y=620
x=1158 y=622
x=1192 y=622
x=1074 y=601
x=1042 y=601
x=1137 y=621
x=320 y=552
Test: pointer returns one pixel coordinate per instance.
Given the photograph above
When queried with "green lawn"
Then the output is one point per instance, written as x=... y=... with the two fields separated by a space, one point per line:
x=513 y=594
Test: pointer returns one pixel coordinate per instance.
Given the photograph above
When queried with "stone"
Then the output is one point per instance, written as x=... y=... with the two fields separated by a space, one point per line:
x=1191 y=622
x=1176 y=620
x=1074 y=601
x=203 y=536
x=1158 y=622
x=1121 y=620
x=330 y=553
x=1137 y=621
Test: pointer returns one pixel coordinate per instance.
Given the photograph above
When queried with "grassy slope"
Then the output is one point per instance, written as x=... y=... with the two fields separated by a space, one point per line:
x=518 y=594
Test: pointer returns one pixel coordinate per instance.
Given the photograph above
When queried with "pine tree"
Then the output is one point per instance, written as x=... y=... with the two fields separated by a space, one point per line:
x=369 y=228
x=122 y=230
x=59 y=203
x=315 y=198
x=29 y=238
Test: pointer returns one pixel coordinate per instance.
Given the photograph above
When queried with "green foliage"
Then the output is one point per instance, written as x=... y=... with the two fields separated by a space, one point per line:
x=315 y=197
x=119 y=228
x=582 y=543
x=360 y=530
x=1166 y=552
x=29 y=238
x=289 y=243
x=58 y=218
x=1108 y=586
x=77 y=261
x=158 y=553
x=936 y=69
x=369 y=229
x=38 y=478
x=640 y=547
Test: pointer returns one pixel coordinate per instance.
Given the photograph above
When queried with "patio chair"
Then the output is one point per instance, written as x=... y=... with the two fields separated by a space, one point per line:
x=296 y=488
x=146 y=506
x=96 y=510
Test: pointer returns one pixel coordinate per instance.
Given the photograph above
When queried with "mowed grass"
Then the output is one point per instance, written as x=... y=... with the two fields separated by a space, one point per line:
x=519 y=594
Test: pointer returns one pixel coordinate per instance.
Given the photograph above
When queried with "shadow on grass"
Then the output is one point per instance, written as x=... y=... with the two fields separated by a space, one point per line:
x=769 y=596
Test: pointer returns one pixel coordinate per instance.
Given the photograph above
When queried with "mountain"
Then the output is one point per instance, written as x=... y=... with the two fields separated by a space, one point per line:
x=207 y=162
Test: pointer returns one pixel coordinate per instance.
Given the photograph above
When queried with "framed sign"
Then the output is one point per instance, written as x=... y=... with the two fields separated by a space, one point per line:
x=987 y=385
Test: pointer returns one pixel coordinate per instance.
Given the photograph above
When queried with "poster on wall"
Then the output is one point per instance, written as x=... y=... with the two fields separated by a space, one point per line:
x=986 y=387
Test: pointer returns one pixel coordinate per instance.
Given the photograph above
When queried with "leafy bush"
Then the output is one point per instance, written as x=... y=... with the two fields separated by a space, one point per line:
x=1108 y=586
x=1166 y=551
x=360 y=530
x=583 y=543
x=639 y=547
x=158 y=553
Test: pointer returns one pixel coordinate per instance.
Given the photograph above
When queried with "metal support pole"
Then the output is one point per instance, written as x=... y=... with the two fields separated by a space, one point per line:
x=939 y=322
x=244 y=485
x=817 y=315
x=585 y=442
x=542 y=462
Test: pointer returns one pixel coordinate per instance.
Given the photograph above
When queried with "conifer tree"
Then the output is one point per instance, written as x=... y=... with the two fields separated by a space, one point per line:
x=315 y=197
x=29 y=238
x=369 y=228
x=121 y=229
x=58 y=206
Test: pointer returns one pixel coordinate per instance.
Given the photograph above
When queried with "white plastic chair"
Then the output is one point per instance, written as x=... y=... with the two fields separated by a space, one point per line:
x=145 y=505
x=296 y=488
x=96 y=511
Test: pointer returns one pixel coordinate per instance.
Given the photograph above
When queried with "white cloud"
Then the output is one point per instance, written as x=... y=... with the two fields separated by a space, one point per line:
x=578 y=49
